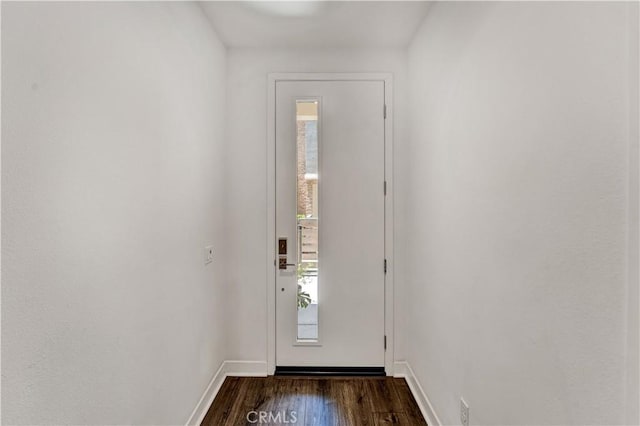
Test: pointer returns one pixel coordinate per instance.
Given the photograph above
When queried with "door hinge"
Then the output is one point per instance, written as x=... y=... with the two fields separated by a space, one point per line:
x=385 y=266
x=385 y=343
x=384 y=111
x=385 y=187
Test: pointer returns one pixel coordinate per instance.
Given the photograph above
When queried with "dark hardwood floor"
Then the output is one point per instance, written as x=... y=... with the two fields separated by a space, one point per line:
x=322 y=401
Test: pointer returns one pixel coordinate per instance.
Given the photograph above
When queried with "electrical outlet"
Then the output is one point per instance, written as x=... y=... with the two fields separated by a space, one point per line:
x=208 y=254
x=464 y=413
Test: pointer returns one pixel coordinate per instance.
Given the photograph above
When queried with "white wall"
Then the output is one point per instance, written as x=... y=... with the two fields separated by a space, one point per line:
x=517 y=197
x=112 y=168
x=247 y=136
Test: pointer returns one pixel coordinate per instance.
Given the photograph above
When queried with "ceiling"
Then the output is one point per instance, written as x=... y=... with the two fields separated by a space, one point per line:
x=299 y=24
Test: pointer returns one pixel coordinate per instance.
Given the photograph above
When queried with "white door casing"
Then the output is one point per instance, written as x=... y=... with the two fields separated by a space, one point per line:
x=270 y=266
x=355 y=314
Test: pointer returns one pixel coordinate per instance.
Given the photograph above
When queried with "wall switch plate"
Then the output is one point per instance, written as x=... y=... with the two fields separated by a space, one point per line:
x=208 y=254
x=464 y=412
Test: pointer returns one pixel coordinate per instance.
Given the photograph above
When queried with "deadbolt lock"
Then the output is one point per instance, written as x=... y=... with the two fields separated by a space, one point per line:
x=282 y=246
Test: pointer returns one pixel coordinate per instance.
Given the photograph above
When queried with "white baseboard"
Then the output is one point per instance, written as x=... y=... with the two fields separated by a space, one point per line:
x=207 y=397
x=227 y=368
x=403 y=369
x=246 y=368
x=400 y=369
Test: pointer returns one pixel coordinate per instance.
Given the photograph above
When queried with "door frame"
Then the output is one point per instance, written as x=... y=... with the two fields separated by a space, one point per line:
x=271 y=269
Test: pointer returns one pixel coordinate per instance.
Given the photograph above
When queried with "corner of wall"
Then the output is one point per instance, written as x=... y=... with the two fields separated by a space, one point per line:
x=402 y=369
x=227 y=369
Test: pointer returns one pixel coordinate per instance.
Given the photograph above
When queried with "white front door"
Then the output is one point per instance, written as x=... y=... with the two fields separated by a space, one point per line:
x=330 y=222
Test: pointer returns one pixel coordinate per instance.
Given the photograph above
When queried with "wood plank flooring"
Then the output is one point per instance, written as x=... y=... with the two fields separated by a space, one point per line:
x=314 y=401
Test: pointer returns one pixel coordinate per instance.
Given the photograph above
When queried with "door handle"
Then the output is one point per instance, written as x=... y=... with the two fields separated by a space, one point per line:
x=282 y=263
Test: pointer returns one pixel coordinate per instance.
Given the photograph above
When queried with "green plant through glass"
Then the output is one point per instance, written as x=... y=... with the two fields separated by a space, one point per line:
x=304 y=299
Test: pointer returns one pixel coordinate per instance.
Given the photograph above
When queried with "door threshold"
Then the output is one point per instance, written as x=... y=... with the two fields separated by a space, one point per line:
x=330 y=371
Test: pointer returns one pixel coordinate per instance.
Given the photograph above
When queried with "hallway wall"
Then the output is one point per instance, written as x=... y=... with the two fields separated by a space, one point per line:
x=112 y=184
x=247 y=129
x=518 y=181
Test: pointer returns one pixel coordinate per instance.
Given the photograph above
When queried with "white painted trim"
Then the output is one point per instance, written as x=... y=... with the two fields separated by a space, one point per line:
x=389 y=315
x=227 y=369
x=201 y=408
x=400 y=369
x=271 y=182
x=246 y=368
x=329 y=76
x=404 y=370
x=633 y=231
x=271 y=224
